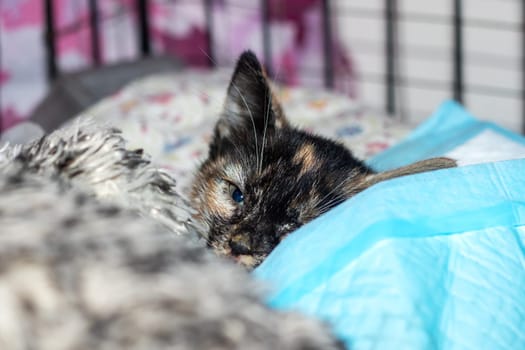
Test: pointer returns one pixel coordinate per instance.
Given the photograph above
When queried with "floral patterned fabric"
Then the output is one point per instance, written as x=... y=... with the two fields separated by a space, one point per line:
x=172 y=118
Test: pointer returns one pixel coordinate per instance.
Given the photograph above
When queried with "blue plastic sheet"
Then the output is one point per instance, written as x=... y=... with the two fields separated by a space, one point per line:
x=450 y=126
x=428 y=261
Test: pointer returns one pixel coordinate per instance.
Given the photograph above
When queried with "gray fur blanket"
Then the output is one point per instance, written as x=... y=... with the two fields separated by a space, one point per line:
x=89 y=258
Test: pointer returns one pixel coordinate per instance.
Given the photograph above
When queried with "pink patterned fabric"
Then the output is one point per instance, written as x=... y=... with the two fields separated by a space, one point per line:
x=177 y=26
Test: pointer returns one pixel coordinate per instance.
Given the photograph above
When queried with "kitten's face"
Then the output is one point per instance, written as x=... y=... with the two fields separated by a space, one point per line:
x=263 y=178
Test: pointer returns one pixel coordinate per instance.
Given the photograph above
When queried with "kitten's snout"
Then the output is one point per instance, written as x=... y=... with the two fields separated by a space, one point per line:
x=240 y=245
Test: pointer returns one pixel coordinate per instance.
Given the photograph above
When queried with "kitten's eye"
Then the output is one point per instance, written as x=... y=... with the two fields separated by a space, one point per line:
x=236 y=194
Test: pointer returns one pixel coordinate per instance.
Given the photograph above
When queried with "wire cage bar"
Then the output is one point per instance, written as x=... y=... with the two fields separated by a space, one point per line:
x=390 y=55
x=458 y=65
x=144 y=27
x=50 y=35
x=523 y=67
x=390 y=18
x=94 y=24
x=208 y=15
x=328 y=56
x=266 y=36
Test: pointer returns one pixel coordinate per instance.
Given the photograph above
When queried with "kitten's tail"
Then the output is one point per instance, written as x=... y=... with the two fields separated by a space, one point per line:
x=415 y=168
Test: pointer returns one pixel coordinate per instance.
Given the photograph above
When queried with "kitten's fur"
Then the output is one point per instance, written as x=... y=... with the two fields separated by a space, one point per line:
x=282 y=177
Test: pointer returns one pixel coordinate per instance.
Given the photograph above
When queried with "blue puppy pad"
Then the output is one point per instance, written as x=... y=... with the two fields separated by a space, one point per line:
x=429 y=261
x=452 y=131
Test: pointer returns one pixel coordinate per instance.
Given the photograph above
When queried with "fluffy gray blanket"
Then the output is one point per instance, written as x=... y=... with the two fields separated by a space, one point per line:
x=89 y=258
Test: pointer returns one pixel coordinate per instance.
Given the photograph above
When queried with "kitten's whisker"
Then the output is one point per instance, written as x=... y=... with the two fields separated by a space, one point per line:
x=334 y=189
x=266 y=116
x=258 y=159
x=244 y=102
x=359 y=186
x=251 y=118
x=352 y=177
x=209 y=57
x=330 y=204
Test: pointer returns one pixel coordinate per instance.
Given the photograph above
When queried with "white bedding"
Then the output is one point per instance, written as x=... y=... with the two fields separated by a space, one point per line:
x=172 y=117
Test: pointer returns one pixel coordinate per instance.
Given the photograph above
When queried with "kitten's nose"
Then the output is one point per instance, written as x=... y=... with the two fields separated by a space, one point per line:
x=239 y=245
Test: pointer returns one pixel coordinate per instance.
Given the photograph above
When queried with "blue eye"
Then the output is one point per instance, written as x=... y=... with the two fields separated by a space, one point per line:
x=237 y=195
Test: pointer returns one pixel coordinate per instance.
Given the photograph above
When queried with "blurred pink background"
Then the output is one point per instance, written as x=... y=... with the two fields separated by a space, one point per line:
x=178 y=27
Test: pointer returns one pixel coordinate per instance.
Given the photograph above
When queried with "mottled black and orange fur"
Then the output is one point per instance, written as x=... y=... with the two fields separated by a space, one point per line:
x=287 y=176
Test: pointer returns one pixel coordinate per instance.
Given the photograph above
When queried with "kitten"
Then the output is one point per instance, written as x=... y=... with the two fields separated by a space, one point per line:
x=264 y=178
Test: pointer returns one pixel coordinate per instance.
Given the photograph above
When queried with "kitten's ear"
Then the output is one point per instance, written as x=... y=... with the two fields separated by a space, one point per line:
x=250 y=107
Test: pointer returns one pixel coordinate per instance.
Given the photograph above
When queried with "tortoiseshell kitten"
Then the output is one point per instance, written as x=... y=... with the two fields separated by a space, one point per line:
x=264 y=178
